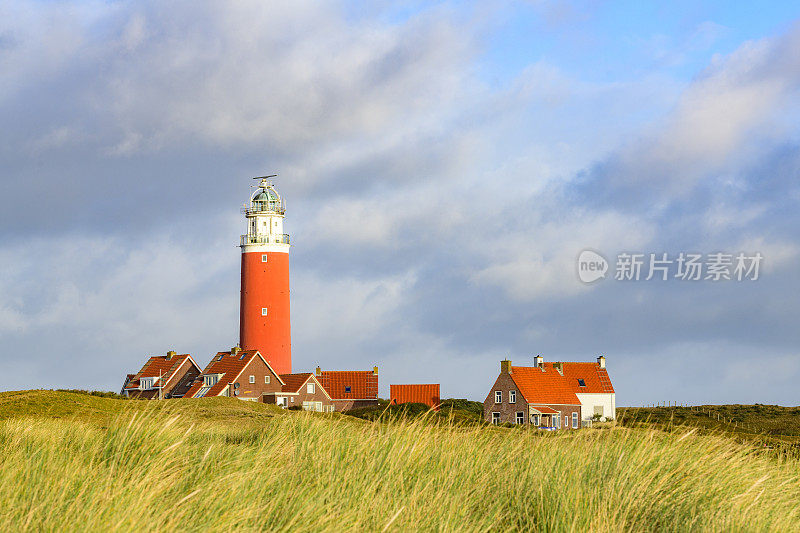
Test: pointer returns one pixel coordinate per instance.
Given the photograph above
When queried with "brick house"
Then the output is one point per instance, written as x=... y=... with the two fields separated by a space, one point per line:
x=350 y=389
x=242 y=374
x=427 y=394
x=302 y=390
x=162 y=376
x=537 y=396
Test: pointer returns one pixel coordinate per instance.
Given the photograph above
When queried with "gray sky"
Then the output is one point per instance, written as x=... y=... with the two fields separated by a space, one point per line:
x=443 y=166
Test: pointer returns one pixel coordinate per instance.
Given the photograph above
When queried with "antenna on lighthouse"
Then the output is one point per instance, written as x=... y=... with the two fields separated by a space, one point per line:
x=264 y=183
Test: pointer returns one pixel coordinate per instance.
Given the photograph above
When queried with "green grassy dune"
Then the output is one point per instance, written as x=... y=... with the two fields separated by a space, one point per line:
x=75 y=462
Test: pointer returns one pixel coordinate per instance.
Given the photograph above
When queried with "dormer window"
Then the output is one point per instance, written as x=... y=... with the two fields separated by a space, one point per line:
x=581 y=382
x=347 y=388
x=210 y=381
x=146 y=384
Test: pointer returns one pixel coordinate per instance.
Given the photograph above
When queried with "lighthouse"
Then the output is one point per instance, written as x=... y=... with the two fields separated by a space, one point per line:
x=264 y=305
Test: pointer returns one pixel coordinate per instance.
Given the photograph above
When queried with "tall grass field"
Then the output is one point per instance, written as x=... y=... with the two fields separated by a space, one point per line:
x=73 y=462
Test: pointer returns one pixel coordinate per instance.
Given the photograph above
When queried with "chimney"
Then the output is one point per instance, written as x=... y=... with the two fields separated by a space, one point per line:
x=235 y=350
x=505 y=366
x=319 y=371
x=601 y=362
x=375 y=370
x=170 y=354
x=538 y=361
x=558 y=365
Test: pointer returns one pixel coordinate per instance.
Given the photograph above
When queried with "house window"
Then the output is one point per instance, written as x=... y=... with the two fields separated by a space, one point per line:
x=310 y=388
x=566 y=422
x=520 y=417
x=263 y=258
x=598 y=410
x=292 y=399
x=347 y=388
x=210 y=381
x=266 y=379
x=575 y=420
x=146 y=383
x=263 y=311
x=581 y=382
x=557 y=421
x=498 y=396
x=495 y=418
x=512 y=396
x=252 y=379
x=535 y=420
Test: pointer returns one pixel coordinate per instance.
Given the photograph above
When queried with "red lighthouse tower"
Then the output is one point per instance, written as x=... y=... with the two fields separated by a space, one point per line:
x=264 y=310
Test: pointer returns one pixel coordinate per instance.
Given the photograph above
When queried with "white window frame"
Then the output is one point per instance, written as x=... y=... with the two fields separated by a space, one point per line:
x=264 y=311
x=266 y=379
x=574 y=420
x=264 y=258
x=310 y=389
x=519 y=418
x=566 y=421
x=498 y=396
x=291 y=399
x=495 y=417
x=252 y=379
x=535 y=420
x=512 y=396
x=146 y=383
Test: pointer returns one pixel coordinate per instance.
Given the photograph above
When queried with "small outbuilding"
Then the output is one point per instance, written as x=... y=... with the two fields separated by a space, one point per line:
x=426 y=393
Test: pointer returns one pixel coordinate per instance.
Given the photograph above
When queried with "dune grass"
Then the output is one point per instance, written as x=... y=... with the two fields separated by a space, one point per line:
x=222 y=464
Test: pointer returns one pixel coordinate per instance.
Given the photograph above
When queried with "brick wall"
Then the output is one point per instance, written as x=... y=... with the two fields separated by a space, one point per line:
x=259 y=370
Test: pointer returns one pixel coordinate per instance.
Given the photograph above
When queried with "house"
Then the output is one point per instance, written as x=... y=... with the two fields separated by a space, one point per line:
x=427 y=394
x=162 y=376
x=534 y=395
x=302 y=390
x=592 y=385
x=350 y=389
x=243 y=374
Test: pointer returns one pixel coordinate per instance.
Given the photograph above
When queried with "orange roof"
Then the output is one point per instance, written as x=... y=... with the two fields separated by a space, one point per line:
x=546 y=386
x=293 y=382
x=158 y=365
x=543 y=409
x=595 y=379
x=350 y=384
x=427 y=394
x=227 y=364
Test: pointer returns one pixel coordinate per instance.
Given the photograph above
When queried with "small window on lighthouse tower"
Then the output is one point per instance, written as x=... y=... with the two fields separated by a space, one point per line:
x=264 y=258
x=263 y=311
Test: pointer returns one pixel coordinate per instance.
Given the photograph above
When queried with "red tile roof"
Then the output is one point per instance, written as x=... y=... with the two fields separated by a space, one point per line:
x=427 y=394
x=159 y=365
x=543 y=386
x=293 y=382
x=595 y=379
x=543 y=409
x=363 y=384
x=227 y=364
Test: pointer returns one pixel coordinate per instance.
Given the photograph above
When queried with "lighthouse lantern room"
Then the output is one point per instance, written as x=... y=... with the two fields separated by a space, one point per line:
x=264 y=306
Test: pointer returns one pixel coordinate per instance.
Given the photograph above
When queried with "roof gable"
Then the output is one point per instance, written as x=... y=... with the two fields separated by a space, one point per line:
x=295 y=382
x=159 y=366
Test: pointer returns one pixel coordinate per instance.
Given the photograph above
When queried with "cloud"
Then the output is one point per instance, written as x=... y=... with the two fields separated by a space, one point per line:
x=435 y=217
